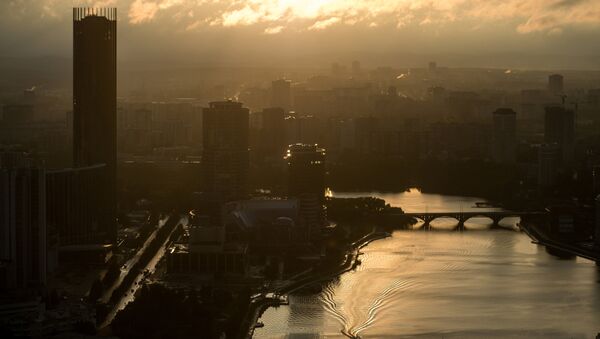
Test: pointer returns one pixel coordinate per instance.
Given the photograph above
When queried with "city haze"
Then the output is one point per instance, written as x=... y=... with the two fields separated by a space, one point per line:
x=277 y=169
x=541 y=34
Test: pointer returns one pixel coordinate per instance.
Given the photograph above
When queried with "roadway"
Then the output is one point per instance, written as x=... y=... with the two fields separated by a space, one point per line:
x=138 y=281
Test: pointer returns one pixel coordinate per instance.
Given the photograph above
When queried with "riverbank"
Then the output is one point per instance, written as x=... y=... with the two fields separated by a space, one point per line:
x=259 y=306
x=557 y=247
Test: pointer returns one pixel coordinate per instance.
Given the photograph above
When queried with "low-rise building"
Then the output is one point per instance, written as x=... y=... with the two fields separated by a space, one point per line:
x=207 y=252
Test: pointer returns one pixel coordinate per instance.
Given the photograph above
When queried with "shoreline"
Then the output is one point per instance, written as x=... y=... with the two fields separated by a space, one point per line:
x=259 y=307
x=540 y=238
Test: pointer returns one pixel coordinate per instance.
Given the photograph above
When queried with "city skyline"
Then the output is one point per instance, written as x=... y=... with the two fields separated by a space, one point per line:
x=186 y=184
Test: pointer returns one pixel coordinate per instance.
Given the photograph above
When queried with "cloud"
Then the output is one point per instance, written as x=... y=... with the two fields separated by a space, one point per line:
x=315 y=15
x=526 y=16
x=322 y=24
x=273 y=30
x=142 y=11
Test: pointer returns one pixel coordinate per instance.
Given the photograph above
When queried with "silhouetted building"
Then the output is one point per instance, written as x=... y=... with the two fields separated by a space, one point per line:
x=95 y=103
x=560 y=129
x=306 y=182
x=337 y=70
x=207 y=252
x=17 y=113
x=548 y=164
x=555 y=83
x=271 y=143
x=73 y=205
x=432 y=66
x=504 y=142
x=135 y=131
x=597 y=233
x=437 y=93
x=563 y=221
x=282 y=94
x=270 y=224
x=22 y=226
x=225 y=157
x=462 y=106
x=596 y=179
x=367 y=135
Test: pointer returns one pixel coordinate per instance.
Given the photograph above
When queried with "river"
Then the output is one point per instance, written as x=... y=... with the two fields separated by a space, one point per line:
x=480 y=283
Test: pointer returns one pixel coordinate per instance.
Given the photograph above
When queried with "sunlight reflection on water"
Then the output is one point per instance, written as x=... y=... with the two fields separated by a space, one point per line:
x=475 y=284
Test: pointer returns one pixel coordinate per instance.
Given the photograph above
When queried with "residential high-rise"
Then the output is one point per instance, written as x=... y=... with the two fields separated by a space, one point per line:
x=306 y=182
x=271 y=143
x=560 y=129
x=225 y=157
x=95 y=103
x=504 y=140
x=548 y=164
x=281 y=94
x=555 y=83
x=72 y=208
x=22 y=226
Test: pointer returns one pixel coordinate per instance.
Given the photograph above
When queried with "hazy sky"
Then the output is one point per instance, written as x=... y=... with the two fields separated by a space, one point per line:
x=273 y=31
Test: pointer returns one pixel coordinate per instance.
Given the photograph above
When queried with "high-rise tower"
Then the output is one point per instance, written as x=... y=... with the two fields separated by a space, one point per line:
x=504 y=140
x=281 y=94
x=22 y=223
x=556 y=83
x=306 y=182
x=271 y=142
x=225 y=158
x=559 y=128
x=95 y=103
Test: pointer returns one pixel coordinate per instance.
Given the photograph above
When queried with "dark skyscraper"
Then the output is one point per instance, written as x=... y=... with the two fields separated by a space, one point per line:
x=504 y=139
x=271 y=144
x=95 y=103
x=22 y=224
x=282 y=94
x=555 y=83
x=560 y=129
x=306 y=175
x=225 y=158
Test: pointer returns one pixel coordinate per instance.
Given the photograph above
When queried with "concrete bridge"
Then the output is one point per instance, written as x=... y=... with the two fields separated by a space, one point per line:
x=462 y=217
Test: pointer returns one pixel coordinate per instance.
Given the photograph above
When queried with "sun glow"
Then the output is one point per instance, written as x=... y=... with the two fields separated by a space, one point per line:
x=307 y=15
x=278 y=16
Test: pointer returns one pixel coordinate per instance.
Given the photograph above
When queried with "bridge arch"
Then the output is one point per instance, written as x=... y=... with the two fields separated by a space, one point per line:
x=496 y=217
x=427 y=221
x=492 y=220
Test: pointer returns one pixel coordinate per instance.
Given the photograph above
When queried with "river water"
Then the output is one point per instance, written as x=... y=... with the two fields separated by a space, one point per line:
x=480 y=283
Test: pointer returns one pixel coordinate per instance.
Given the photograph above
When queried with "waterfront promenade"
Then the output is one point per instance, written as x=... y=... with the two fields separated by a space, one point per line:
x=260 y=304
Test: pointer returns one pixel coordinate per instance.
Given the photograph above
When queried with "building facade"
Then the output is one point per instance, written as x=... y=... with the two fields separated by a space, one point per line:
x=74 y=210
x=556 y=83
x=548 y=164
x=225 y=157
x=504 y=136
x=22 y=228
x=559 y=128
x=281 y=95
x=271 y=141
x=306 y=182
x=95 y=102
